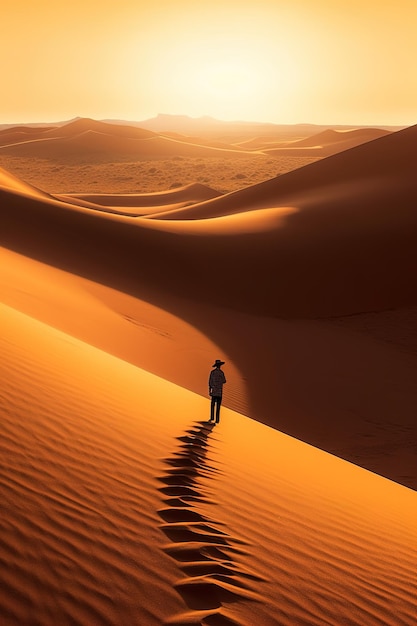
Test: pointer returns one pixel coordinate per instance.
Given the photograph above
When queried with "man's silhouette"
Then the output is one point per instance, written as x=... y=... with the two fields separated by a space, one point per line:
x=215 y=383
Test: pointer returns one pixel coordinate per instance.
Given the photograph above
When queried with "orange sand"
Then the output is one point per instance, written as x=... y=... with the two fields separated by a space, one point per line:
x=121 y=505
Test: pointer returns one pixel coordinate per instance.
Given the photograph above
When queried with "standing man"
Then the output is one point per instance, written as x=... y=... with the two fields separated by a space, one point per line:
x=215 y=383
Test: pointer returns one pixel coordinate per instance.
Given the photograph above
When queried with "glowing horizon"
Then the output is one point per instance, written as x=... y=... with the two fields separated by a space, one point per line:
x=310 y=62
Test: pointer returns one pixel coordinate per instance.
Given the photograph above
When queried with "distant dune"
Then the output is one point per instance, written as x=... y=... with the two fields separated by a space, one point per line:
x=91 y=141
x=23 y=135
x=330 y=136
x=85 y=140
x=326 y=143
x=85 y=125
x=122 y=505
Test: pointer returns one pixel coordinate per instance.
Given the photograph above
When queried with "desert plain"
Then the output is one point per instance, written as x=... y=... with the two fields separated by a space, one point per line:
x=133 y=256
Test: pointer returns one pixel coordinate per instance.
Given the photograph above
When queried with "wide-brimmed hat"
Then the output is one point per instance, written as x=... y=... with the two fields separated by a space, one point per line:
x=218 y=362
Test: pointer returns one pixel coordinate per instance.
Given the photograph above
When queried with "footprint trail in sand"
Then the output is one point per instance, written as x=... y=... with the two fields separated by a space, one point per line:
x=204 y=551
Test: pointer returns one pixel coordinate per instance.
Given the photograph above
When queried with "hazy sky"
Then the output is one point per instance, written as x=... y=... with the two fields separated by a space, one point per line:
x=284 y=61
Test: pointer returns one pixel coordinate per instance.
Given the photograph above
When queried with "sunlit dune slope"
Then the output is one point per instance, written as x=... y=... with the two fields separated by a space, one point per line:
x=123 y=507
x=343 y=240
x=337 y=390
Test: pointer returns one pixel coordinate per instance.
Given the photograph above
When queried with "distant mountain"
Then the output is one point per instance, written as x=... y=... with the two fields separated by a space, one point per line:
x=210 y=127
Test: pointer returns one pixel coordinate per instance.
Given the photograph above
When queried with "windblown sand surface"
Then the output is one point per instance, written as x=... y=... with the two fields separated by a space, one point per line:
x=121 y=505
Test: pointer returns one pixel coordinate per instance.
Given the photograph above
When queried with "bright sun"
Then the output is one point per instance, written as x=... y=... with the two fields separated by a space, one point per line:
x=224 y=84
x=226 y=80
x=223 y=75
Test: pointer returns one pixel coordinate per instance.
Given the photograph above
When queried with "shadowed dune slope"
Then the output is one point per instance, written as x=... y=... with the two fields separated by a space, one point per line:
x=122 y=507
x=345 y=243
x=293 y=269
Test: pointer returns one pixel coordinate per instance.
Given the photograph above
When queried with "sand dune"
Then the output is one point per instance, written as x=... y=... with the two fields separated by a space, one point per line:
x=358 y=171
x=306 y=382
x=327 y=142
x=311 y=231
x=19 y=134
x=330 y=136
x=321 y=144
x=187 y=194
x=345 y=248
x=85 y=140
x=122 y=505
x=91 y=146
x=91 y=139
x=73 y=129
x=84 y=125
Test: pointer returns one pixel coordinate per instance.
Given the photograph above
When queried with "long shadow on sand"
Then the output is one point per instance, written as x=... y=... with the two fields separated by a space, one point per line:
x=204 y=551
